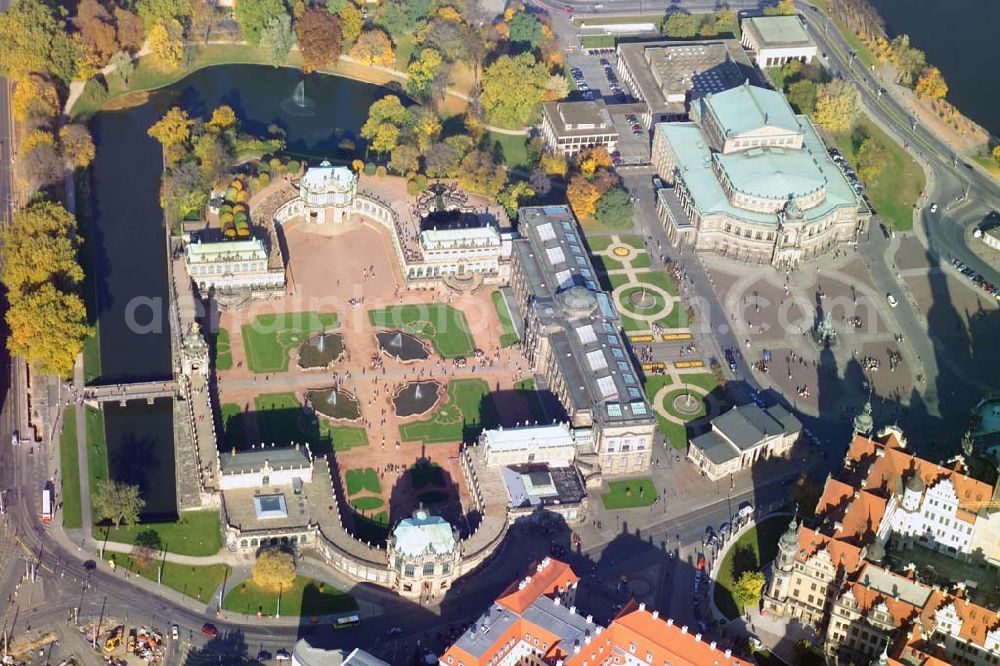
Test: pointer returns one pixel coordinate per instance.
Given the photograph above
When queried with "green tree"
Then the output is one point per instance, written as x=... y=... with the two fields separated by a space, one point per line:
x=421 y=72
x=273 y=571
x=158 y=11
x=681 y=25
x=802 y=96
x=122 y=62
x=512 y=89
x=403 y=18
x=614 y=208
x=708 y=27
x=386 y=118
x=908 y=60
x=837 y=106
x=254 y=16
x=525 y=29
x=873 y=160
x=120 y=503
x=352 y=23
x=40 y=247
x=512 y=195
x=783 y=8
x=747 y=589
x=277 y=38
x=337 y=6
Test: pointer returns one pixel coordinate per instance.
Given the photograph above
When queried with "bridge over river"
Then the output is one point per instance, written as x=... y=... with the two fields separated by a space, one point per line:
x=122 y=393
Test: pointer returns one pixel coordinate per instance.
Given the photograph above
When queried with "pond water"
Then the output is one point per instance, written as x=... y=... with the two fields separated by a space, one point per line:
x=335 y=403
x=404 y=346
x=127 y=224
x=416 y=397
x=321 y=350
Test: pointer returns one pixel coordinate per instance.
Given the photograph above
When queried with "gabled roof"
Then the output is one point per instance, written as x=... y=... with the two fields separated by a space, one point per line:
x=843 y=554
x=548 y=577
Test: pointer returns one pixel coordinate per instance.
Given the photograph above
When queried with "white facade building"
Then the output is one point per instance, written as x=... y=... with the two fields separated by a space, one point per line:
x=232 y=266
x=931 y=516
x=775 y=40
x=424 y=555
x=476 y=250
x=550 y=444
x=265 y=466
x=327 y=189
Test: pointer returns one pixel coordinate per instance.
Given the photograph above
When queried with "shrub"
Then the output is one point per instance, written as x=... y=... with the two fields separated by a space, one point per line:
x=412 y=188
x=380 y=171
x=276 y=166
x=254 y=183
x=226 y=218
x=225 y=208
x=293 y=166
x=241 y=196
x=230 y=194
x=264 y=179
x=422 y=181
x=369 y=169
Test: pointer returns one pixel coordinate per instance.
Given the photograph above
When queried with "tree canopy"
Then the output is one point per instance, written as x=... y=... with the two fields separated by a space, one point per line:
x=273 y=571
x=34 y=39
x=525 y=29
x=873 y=160
x=681 y=24
x=614 y=208
x=403 y=17
x=77 y=145
x=931 y=83
x=783 y=8
x=277 y=38
x=174 y=127
x=120 y=503
x=319 y=38
x=386 y=118
x=747 y=589
x=255 y=15
x=512 y=89
x=837 y=106
x=373 y=48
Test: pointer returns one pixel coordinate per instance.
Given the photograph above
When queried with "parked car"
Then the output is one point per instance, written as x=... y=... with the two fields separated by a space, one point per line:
x=724 y=528
x=175 y=632
x=282 y=655
x=701 y=561
x=209 y=630
x=892 y=300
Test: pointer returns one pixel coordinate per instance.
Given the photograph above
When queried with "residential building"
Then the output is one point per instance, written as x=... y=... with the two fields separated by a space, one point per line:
x=551 y=444
x=536 y=622
x=573 y=341
x=668 y=75
x=424 y=556
x=233 y=266
x=570 y=127
x=749 y=179
x=836 y=574
x=741 y=437
x=775 y=40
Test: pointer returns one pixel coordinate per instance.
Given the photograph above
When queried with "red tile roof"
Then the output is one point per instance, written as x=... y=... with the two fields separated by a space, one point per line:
x=548 y=577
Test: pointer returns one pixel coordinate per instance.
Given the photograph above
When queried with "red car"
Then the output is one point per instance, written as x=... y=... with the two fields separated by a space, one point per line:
x=701 y=561
x=210 y=630
x=569 y=9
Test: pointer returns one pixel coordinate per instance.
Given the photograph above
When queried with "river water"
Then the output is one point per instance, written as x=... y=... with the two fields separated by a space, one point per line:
x=128 y=240
x=958 y=37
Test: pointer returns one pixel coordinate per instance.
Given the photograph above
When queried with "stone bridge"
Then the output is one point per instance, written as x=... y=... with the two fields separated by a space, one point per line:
x=148 y=391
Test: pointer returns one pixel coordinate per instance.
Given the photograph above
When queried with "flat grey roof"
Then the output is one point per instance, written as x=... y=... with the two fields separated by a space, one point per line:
x=747 y=425
x=775 y=31
x=593 y=114
x=253 y=460
x=714 y=447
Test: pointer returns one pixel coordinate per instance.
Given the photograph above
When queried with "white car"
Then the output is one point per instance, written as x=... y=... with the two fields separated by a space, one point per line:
x=892 y=300
x=282 y=655
x=933 y=207
x=755 y=643
x=175 y=632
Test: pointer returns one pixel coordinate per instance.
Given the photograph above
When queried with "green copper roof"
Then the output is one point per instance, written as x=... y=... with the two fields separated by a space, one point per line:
x=772 y=172
x=746 y=108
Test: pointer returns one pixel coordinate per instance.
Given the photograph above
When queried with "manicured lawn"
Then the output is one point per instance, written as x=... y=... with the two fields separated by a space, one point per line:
x=197 y=533
x=653 y=384
x=442 y=325
x=426 y=475
x=233 y=431
x=655 y=278
x=362 y=479
x=605 y=263
x=306 y=597
x=513 y=148
x=757 y=547
x=97 y=447
x=268 y=338
x=281 y=419
x=92 y=356
x=642 y=260
x=367 y=503
x=468 y=409
x=509 y=336
x=598 y=243
x=223 y=353
x=526 y=387
x=632 y=241
x=668 y=403
x=897 y=189
x=198 y=582
x=629 y=494
x=69 y=471
x=345 y=438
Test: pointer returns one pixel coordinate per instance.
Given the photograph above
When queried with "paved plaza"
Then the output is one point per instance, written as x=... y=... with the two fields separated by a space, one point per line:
x=348 y=270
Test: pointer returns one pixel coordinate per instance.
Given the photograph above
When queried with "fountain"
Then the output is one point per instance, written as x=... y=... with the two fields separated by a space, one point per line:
x=404 y=346
x=298 y=104
x=320 y=351
x=334 y=403
x=416 y=397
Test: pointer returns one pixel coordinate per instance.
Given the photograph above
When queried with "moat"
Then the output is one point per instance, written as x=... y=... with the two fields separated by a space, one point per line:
x=126 y=226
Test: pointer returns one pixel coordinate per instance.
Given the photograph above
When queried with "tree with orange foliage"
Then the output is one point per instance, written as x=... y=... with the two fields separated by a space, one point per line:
x=931 y=84
x=583 y=196
x=319 y=38
x=591 y=159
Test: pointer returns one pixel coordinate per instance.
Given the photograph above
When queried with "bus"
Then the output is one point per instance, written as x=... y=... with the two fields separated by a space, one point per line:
x=47 y=493
x=346 y=622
